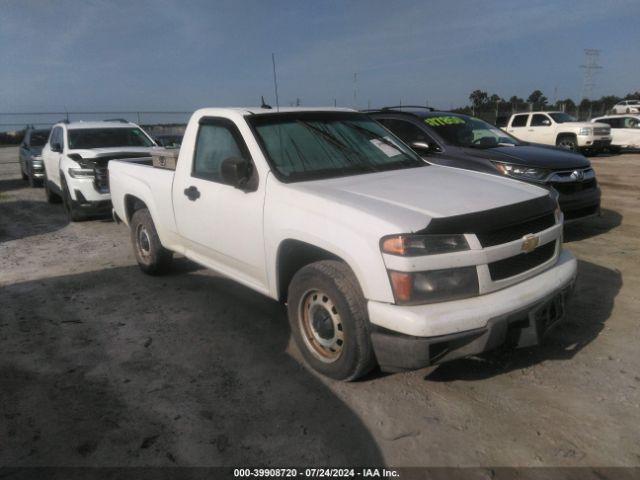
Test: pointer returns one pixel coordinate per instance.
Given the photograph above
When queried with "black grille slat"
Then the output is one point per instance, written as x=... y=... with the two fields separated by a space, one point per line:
x=515 y=232
x=574 y=187
x=101 y=179
x=512 y=266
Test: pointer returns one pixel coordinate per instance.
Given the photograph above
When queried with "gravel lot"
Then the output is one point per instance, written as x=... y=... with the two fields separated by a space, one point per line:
x=101 y=365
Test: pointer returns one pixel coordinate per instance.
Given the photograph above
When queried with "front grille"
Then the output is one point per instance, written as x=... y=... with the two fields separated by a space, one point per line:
x=568 y=188
x=512 y=266
x=101 y=180
x=601 y=131
x=517 y=231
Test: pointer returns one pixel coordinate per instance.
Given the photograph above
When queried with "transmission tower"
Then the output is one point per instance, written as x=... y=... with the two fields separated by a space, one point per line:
x=590 y=68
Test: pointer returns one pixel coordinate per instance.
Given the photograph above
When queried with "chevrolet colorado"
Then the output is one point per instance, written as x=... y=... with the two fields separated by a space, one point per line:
x=379 y=256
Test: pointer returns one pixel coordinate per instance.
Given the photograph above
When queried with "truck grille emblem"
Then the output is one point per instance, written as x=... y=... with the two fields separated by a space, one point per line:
x=529 y=242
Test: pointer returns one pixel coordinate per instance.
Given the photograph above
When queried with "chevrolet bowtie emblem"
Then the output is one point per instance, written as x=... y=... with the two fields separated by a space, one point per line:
x=529 y=242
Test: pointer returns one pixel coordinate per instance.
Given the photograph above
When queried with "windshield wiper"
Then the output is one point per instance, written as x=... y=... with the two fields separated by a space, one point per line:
x=335 y=141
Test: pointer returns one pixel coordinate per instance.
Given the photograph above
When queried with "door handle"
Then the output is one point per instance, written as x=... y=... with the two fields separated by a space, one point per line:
x=192 y=193
x=531 y=129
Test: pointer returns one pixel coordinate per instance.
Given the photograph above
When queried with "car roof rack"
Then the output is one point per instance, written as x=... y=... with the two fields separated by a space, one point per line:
x=400 y=107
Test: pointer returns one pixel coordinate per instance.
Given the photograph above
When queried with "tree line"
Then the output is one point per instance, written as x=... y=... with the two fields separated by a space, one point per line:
x=483 y=103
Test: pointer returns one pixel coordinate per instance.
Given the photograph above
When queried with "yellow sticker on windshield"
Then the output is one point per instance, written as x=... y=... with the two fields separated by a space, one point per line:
x=440 y=121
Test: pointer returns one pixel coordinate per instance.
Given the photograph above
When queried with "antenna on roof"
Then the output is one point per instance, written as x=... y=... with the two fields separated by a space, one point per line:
x=264 y=104
x=275 y=80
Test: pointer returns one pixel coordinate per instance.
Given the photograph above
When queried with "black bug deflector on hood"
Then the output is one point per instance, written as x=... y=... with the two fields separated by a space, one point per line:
x=535 y=213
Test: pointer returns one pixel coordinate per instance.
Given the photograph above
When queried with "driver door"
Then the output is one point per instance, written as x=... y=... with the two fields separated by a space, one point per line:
x=221 y=226
x=541 y=129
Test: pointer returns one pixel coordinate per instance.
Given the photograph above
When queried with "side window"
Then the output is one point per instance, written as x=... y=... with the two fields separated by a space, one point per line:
x=407 y=132
x=217 y=141
x=540 y=120
x=519 y=121
x=631 y=122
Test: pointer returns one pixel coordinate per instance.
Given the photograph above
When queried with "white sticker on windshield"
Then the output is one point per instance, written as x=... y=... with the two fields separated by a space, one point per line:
x=388 y=150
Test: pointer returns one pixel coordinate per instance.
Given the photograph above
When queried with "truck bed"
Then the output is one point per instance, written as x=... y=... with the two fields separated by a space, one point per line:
x=138 y=179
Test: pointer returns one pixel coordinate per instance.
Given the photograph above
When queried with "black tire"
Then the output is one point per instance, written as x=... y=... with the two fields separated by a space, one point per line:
x=615 y=150
x=73 y=212
x=568 y=142
x=339 y=311
x=51 y=196
x=152 y=257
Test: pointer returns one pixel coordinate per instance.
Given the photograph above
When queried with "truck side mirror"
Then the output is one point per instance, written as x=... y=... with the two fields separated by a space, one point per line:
x=235 y=172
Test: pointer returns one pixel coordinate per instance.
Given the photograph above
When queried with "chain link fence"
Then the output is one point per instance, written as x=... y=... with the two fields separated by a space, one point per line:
x=14 y=124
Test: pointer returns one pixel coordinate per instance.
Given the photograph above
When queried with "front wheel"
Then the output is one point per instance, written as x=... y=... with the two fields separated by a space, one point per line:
x=328 y=317
x=568 y=142
x=51 y=196
x=152 y=257
x=73 y=212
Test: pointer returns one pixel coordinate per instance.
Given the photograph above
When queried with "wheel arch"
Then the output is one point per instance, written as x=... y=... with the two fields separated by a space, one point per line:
x=292 y=255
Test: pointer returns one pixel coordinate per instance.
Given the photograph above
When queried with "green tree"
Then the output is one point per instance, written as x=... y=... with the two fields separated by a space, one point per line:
x=478 y=98
x=537 y=98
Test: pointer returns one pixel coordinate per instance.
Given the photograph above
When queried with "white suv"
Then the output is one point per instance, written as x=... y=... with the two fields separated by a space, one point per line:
x=626 y=106
x=75 y=162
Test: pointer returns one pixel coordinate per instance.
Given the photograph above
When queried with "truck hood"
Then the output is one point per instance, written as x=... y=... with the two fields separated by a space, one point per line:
x=532 y=156
x=581 y=124
x=432 y=191
x=112 y=152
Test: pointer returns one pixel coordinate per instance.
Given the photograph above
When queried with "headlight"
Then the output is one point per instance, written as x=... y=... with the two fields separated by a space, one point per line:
x=81 y=172
x=415 y=245
x=584 y=131
x=415 y=288
x=522 y=172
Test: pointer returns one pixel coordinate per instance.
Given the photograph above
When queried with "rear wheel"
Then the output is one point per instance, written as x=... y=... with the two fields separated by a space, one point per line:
x=328 y=318
x=568 y=142
x=152 y=257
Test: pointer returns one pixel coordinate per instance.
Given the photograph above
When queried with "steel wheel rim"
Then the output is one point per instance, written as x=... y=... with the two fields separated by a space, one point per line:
x=321 y=326
x=143 y=241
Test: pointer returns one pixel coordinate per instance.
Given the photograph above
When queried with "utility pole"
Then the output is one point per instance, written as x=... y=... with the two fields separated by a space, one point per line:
x=590 y=68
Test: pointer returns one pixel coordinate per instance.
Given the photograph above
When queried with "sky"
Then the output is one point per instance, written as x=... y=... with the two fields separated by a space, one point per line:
x=181 y=55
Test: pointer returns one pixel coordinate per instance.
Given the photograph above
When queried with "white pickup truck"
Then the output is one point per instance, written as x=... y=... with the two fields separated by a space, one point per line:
x=379 y=256
x=560 y=129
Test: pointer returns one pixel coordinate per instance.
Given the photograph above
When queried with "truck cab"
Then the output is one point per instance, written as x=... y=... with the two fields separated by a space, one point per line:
x=380 y=257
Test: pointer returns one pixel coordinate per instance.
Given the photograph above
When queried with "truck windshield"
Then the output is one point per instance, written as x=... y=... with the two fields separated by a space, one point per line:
x=87 y=138
x=311 y=145
x=561 y=117
x=464 y=131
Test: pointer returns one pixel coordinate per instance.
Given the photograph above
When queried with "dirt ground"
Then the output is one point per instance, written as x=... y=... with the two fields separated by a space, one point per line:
x=101 y=365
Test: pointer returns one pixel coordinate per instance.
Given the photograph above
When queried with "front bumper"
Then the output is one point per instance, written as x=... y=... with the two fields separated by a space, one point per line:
x=410 y=337
x=91 y=207
x=594 y=143
x=580 y=205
